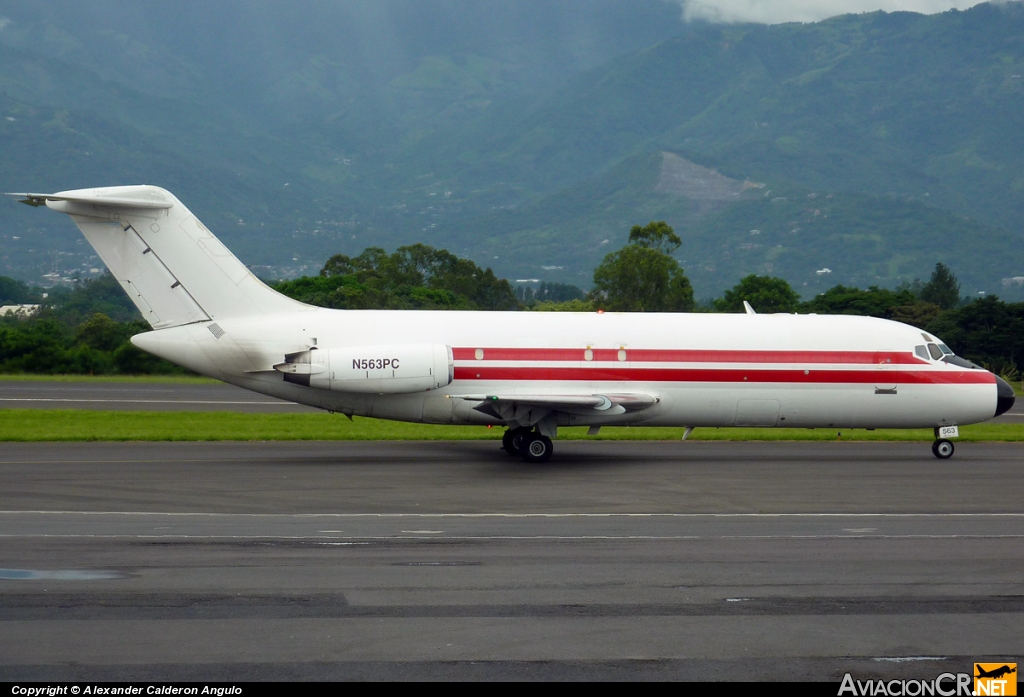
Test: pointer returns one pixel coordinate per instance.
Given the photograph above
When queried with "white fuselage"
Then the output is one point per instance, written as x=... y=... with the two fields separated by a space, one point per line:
x=521 y=369
x=704 y=369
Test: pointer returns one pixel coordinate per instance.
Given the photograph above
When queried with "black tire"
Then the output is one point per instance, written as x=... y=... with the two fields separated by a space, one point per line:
x=512 y=440
x=536 y=448
x=943 y=449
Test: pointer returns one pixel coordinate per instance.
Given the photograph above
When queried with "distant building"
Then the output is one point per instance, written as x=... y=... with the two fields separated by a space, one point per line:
x=18 y=310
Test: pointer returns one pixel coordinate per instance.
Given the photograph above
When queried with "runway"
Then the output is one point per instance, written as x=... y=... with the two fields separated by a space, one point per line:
x=139 y=396
x=696 y=560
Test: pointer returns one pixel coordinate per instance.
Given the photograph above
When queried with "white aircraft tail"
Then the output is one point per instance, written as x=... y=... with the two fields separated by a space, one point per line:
x=173 y=268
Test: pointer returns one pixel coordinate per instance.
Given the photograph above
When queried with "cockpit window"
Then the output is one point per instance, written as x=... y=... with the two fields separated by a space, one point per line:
x=921 y=352
x=935 y=351
x=945 y=350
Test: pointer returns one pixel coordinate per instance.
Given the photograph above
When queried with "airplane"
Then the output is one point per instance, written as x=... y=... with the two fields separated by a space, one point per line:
x=531 y=372
x=994 y=673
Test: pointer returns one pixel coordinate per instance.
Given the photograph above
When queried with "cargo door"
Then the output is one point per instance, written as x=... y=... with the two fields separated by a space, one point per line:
x=886 y=375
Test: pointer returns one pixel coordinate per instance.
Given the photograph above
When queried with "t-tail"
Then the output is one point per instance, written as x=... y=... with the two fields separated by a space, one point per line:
x=174 y=269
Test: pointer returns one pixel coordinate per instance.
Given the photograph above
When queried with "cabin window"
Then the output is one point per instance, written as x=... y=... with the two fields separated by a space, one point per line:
x=479 y=354
x=588 y=355
x=935 y=351
x=622 y=354
x=921 y=351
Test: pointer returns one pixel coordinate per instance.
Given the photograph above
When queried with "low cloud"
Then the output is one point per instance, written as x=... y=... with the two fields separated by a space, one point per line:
x=777 y=11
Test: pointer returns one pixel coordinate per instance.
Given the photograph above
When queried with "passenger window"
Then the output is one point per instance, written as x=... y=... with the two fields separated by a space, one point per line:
x=935 y=351
x=921 y=352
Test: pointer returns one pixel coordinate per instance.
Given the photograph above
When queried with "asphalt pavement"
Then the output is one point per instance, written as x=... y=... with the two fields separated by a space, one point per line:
x=615 y=560
x=139 y=396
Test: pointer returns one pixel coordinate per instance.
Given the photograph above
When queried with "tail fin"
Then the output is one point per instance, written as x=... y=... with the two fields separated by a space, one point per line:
x=173 y=268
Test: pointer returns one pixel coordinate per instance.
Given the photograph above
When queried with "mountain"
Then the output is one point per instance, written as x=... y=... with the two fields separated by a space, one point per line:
x=900 y=103
x=917 y=116
x=731 y=228
x=529 y=134
x=281 y=113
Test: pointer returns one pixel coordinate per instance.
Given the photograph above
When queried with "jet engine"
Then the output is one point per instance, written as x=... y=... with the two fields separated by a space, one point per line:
x=392 y=369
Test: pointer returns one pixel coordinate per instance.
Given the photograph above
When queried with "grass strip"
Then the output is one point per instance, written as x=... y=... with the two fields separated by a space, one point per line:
x=88 y=379
x=27 y=425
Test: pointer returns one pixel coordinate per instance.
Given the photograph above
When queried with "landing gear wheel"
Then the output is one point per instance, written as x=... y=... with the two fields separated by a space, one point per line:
x=512 y=440
x=943 y=449
x=536 y=448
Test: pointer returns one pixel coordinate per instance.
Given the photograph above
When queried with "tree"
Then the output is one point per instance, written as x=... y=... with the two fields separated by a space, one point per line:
x=413 y=277
x=102 y=333
x=574 y=305
x=986 y=331
x=642 y=277
x=102 y=294
x=14 y=292
x=942 y=289
x=548 y=292
x=655 y=235
x=873 y=302
x=342 y=265
x=764 y=293
x=919 y=314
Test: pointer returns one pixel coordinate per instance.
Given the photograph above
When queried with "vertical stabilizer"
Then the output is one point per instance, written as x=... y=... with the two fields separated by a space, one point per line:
x=173 y=268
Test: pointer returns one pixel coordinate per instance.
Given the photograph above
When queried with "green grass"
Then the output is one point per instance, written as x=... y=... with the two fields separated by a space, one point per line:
x=173 y=379
x=84 y=425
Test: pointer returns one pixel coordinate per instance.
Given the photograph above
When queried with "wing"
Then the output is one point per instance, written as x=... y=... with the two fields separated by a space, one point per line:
x=515 y=407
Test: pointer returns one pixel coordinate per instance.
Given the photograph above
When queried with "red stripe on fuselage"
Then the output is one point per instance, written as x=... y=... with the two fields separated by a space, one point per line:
x=736 y=375
x=691 y=356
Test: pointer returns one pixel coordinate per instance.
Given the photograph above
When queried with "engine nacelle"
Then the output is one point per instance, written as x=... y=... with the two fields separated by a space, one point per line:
x=391 y=369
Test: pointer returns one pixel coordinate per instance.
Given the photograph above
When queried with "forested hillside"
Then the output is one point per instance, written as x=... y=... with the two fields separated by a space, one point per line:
x=913 y=125
x=530 y=134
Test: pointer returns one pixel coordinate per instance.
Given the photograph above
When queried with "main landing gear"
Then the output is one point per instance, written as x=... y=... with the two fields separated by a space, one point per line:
x=943 y=449
x=528 y=444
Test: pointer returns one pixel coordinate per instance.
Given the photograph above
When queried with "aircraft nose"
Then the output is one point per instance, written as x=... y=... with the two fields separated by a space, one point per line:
x=1004 y=396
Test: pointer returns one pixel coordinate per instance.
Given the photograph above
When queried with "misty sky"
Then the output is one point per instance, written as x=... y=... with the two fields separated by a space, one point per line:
x=774 y=11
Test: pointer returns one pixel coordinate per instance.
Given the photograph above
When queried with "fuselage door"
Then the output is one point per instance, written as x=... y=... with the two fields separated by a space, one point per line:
x=886 y=374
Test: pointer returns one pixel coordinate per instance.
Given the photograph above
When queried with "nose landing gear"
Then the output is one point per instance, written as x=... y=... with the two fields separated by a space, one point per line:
x=530 y=445
x=943 y=449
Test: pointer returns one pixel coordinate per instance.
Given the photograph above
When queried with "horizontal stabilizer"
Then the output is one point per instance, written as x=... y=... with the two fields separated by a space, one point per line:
x=147 y=199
